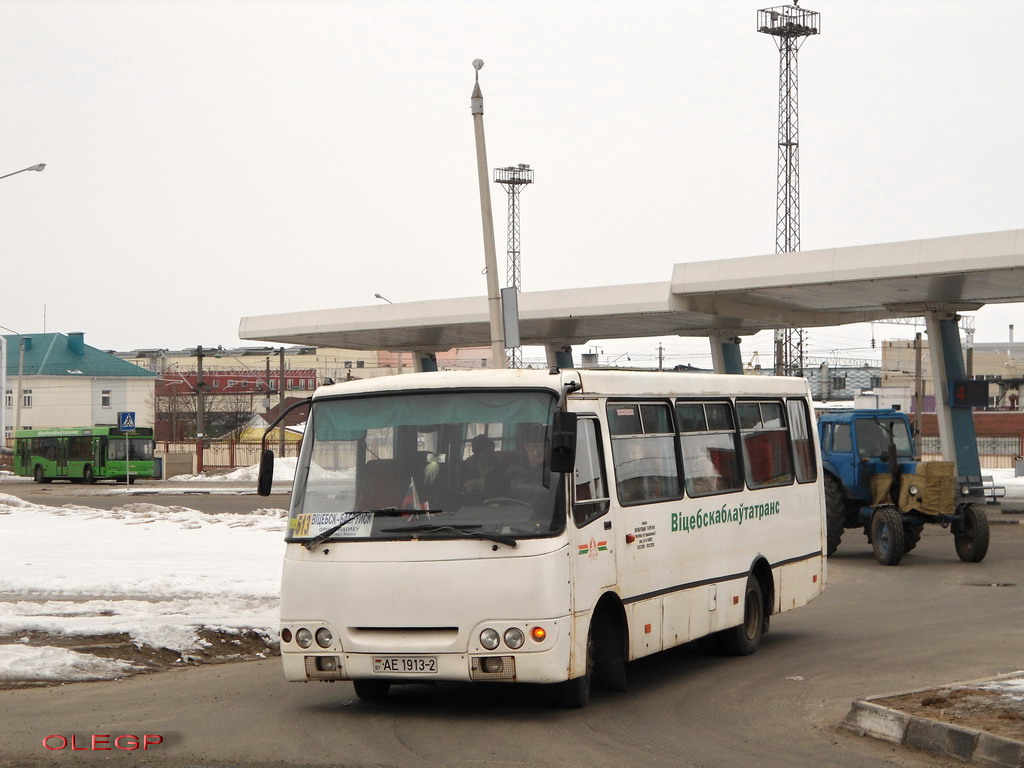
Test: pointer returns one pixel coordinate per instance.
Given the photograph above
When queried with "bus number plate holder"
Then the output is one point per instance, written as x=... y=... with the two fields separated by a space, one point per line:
x=405 y=665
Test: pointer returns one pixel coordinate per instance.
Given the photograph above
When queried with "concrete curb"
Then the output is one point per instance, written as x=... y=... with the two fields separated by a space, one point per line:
x=965 y=744
x=997 y=515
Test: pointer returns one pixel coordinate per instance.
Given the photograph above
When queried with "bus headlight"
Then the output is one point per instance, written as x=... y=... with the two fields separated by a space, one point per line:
x=324 y=638
x=489 y=639
x=514 y=638
x=304 y=638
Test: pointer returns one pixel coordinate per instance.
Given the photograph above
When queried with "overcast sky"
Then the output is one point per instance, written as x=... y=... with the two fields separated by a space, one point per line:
x=212 y=160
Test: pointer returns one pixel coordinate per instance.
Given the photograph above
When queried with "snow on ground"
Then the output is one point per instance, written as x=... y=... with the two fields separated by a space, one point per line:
x=158 y=574
x=1005 y=477
x=1011 y=686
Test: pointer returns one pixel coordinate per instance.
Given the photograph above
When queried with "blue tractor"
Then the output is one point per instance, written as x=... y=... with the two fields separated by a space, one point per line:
x=874 y=481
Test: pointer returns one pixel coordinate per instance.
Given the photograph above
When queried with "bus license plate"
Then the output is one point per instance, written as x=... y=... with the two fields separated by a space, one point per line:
x=405 y=665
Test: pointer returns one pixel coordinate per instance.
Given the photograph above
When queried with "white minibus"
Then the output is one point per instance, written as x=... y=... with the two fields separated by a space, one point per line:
x=544 y=526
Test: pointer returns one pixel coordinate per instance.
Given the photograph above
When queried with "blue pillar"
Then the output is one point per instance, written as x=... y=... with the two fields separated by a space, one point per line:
x=725 y=354
x=956 y=424
x=559 y=357
x=424 y=362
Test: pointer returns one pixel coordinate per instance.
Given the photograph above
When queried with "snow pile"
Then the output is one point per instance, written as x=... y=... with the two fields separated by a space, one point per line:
x=22 y=662
x=157 y=574
x=284 y=472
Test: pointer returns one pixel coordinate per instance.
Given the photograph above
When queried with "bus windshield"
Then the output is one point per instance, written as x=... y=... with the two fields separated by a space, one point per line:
x=141 y=449
x=428 y=465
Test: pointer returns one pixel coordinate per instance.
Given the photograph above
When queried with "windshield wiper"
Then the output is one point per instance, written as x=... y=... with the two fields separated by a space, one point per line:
x=463 y=530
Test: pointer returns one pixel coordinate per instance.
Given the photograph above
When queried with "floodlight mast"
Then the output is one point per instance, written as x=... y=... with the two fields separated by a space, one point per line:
x=513 y=179
x=789 y=26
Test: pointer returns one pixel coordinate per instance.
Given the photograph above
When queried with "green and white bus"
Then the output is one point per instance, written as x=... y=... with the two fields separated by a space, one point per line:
x=83 y=454
x=544 y=527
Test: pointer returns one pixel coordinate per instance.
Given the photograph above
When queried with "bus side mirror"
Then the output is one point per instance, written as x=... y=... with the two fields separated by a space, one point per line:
x=266 y=476
x=563 y=442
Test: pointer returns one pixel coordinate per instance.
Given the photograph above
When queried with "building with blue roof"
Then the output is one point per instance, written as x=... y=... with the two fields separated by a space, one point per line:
x=57 y=380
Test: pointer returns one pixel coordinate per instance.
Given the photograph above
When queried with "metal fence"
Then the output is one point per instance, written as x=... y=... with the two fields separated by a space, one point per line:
x=225 y=455
x=994 y=451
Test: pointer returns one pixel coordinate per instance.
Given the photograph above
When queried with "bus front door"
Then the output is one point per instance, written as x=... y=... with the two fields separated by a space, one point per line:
x=61 y=465
x=592 y=537
x=99 y=456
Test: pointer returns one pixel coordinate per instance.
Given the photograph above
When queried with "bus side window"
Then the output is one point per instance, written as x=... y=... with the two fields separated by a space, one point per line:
x=766 y=454
x=590 y=485
x=803 y=444
x=644 y=452
x=710 y=455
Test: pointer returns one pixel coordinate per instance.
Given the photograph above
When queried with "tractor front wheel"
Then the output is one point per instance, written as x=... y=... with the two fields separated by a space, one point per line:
x=970 y=535
x=887 y=535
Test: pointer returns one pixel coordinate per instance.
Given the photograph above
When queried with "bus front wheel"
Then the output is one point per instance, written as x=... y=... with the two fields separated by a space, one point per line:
x=39 y=476
x=371 y=690
x=575 y=693
x=88 y=476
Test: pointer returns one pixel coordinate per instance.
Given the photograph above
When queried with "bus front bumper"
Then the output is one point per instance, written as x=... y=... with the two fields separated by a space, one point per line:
x=537 y=667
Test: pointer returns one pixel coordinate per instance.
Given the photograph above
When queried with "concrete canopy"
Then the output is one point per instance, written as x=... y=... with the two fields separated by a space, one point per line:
x=733 y=297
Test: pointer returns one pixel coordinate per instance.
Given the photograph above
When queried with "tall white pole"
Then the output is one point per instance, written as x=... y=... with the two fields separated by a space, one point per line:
x=3 y=392
x=21 y=372
x=487 y=219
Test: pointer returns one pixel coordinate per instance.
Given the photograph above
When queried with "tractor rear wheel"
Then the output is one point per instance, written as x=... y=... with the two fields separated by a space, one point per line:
x=835 y=513
x=911 y=535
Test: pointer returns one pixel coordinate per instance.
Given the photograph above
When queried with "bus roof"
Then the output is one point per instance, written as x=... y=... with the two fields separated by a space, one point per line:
x=83 y=432
x=593 y=381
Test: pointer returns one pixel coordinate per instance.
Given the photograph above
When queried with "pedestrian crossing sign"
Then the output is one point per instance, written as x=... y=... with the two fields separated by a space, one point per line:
x=126 y=421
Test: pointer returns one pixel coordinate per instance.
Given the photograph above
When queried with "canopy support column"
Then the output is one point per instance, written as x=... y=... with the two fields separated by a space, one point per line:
x=424 y=362
x=559 y=356
x=725 y=353
x=956 y=425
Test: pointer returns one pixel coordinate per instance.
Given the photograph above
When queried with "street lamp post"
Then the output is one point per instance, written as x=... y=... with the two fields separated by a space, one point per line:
x=3 y=384
x=36 y=167
x=3 y=391
x=21 y=355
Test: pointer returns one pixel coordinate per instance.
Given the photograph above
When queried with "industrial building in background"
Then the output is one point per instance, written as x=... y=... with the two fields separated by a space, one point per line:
x=789 y=26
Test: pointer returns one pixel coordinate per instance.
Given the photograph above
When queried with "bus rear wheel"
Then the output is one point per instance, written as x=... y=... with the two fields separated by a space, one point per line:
x=746 y=638
x=39 y=476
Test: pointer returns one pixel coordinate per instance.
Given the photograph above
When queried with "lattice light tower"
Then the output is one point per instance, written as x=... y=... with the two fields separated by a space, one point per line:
x=513 y=179
x=790 y=26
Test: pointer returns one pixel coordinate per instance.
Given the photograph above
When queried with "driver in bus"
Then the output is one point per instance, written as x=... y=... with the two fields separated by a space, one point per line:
x=482 y=477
